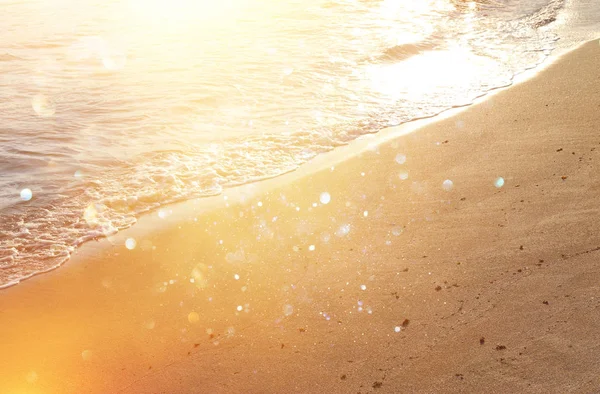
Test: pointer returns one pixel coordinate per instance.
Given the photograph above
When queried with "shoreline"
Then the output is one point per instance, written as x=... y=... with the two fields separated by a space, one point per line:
x=386 y=283
x=322 y=161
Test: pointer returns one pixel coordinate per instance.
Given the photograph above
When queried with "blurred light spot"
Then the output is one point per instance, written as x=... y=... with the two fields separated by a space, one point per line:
x=397 y=329
x=400 y=158
x=86 y=355
x=106 y=283
x=403 y=176
x=499 y=182
x=311 y=247
x=162 y=214
x=193 y=317
x=397 y=231
x=343 y=230
x=236 y=277
x=78 y=174
x=363 y=287
x=114 y=59
x=43 y=106
x=324 y=198
x=259 y=204
x=130 y=243
x=366 y=213
x=26 y=194
x=362 y=174
x=32 y=377
x=239 y=308
x=288 y=310
x=200 y=275
x=447 y=185
x=233 y=257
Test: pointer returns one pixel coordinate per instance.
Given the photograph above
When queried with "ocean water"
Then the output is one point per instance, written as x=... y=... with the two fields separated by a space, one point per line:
x=113 y=108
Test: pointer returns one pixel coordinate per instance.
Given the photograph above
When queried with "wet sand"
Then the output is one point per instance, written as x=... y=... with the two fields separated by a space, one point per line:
x=395 y=281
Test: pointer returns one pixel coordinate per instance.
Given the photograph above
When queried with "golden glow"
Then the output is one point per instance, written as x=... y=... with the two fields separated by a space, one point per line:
x=174 y=12
x=419 y=75
x=412 y=11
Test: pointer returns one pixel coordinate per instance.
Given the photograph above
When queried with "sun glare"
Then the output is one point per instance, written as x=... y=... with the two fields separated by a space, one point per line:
x=419 y=75
x=177 y=11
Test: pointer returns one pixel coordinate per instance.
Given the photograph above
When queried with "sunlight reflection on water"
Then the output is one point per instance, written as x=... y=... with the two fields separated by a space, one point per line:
x=161 y=101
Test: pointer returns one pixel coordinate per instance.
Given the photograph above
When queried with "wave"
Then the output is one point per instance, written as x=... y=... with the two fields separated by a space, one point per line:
x=545 y=15
x=406 y=51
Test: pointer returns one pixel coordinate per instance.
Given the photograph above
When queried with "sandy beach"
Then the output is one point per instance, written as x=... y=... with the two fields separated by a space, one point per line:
x=461 y=257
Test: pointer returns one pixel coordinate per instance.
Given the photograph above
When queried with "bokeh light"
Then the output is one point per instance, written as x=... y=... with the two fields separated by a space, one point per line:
x=86 y=355
x=325 y=198
x=130 y=243
x=193 y=317
x=288 y=310
x=448 y=185
x=26 y=194
x=43 y=106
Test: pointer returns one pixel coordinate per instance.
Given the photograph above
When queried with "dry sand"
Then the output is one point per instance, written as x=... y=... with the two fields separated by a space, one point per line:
x=475 y=289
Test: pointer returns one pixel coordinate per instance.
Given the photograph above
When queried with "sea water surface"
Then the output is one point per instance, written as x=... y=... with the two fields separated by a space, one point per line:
x=112 y=108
